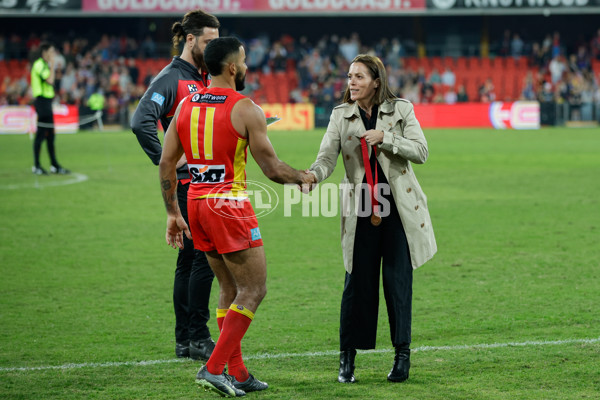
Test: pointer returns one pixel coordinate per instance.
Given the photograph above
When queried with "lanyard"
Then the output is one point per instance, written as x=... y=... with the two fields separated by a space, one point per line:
x=375 y=218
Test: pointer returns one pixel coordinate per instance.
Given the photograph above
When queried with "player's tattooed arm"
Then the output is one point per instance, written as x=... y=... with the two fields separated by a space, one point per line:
x=169 y=195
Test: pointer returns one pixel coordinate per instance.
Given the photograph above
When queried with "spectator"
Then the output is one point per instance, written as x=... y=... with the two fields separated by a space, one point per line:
x=582 y=59
x=349 y=48
x=450 y=97
x=556 y=50
x=516 y=46
x=278 y=57
x=587 y=97
x=538 y=57
x=556 y=67
x=395 y=53
x=528 y=92
x=133 y=70
x=427 y=93
x=148 y=48
x=256 y=55
x=448 y=78
x=487 y=92
x=461 y=95
x=434 y=77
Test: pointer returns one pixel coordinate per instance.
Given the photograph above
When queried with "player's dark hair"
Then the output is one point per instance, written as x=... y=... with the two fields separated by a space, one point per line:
x=44 y=46
x=218 y=51
x=193 y=22
x=377 y=71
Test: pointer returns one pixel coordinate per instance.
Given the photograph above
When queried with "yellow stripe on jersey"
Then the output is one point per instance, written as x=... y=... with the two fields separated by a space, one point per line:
x=209 y=123
x=239 y=167
x=194 y=116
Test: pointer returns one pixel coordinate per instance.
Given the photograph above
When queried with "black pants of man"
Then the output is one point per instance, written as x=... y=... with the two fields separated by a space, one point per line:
x=43 y=108
x=360 y=300
x=193 y=282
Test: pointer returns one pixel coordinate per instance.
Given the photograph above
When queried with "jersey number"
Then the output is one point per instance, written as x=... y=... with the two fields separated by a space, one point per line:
x=209 y=121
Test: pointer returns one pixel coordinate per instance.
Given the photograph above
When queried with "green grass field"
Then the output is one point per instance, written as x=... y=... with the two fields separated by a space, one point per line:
x=507 y=309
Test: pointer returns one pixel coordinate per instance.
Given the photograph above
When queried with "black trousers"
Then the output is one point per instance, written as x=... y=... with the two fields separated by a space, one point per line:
x=43 y=108
x=360 y=299
x=193 y=282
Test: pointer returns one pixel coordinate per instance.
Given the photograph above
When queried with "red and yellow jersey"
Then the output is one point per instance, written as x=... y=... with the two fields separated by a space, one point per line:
x=216 y=153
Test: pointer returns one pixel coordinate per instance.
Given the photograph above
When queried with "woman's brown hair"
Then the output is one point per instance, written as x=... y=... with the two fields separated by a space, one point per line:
x=377 y=71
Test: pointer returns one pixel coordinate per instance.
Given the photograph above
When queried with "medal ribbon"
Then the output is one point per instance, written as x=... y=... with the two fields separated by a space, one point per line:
x=366 y=161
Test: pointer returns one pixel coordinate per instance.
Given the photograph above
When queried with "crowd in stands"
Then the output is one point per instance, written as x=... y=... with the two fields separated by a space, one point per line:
x=289 y=69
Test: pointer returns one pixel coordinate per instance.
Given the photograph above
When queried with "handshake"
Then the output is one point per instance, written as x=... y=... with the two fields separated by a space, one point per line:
x=308 y=181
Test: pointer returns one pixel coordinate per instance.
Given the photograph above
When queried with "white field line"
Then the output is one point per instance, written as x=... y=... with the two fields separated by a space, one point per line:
x=311 y=354
x=41 y=182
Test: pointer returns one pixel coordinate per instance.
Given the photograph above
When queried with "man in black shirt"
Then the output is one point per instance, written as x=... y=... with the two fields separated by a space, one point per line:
x=184 y=75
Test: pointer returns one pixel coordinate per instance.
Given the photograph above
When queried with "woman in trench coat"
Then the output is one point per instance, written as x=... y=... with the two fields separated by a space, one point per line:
x=384 y=211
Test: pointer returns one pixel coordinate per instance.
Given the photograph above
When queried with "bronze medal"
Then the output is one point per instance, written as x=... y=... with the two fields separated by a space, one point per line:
x=375 y=219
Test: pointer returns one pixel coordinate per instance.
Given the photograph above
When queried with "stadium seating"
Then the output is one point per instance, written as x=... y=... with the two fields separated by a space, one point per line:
x=507 y=75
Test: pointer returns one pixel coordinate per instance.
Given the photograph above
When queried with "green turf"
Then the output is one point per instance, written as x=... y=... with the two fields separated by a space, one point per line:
x=87 y=277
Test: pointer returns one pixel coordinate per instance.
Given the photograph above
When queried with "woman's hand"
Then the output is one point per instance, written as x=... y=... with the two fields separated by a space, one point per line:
x=373 y=137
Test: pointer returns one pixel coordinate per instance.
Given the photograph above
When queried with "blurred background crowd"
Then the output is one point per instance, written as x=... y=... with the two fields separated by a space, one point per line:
x=115 y=70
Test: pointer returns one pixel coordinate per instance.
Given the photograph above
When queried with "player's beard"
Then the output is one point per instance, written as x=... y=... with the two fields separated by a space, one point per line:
x=198 y=57
x=240 y=81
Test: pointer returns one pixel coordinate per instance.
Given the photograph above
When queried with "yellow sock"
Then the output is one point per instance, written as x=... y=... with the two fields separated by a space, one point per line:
x=242 y=310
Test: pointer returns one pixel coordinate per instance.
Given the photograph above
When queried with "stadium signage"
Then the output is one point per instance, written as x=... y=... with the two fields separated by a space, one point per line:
x=40 y=6
x=336 y=5
x=300 y=116
x=498 y=4
x=499 y=115
x=166 y=5
x=263 y=6
x=17 y=119
x=22 y=119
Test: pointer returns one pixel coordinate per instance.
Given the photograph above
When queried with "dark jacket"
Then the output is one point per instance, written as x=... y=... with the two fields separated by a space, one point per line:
x=167 y=89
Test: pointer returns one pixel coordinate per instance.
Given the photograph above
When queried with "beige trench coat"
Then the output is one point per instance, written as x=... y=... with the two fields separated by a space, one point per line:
x=403 y=141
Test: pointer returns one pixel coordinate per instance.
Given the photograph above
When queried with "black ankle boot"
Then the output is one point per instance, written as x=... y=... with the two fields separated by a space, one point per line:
x=347 y=366
x=399 y=372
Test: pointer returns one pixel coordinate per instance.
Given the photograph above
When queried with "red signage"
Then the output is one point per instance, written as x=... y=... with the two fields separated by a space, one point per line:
x=22 y=119
x=499 y=115
x=249 y=6
x=293 y=116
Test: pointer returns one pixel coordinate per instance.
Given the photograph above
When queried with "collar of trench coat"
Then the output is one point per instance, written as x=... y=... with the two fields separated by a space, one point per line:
x=351 y=111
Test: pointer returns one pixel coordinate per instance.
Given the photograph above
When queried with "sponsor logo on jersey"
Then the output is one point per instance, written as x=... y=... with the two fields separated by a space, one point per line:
x=255 y=233
x=158 y=98
x=192 y=88
x=207 y=173
x=209 y=98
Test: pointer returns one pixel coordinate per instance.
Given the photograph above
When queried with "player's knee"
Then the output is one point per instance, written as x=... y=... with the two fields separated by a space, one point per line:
x=228 y=291
x=261 y=292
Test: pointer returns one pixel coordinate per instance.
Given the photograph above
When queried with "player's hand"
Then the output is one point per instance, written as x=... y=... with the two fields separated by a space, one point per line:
x=373 y=137
x=176 y=227
x=51 y=59
x=309 y=181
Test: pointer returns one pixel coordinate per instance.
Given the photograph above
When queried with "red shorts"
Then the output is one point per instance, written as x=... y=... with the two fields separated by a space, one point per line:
x=223 y=225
